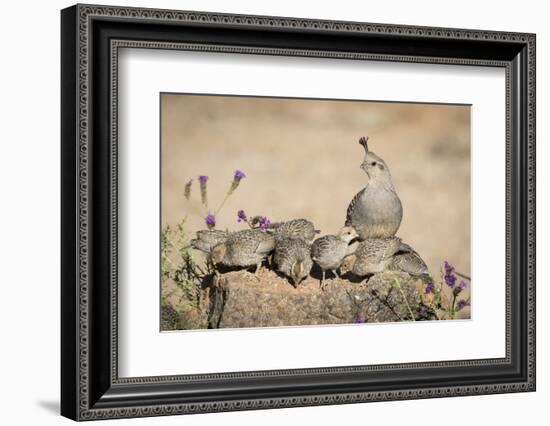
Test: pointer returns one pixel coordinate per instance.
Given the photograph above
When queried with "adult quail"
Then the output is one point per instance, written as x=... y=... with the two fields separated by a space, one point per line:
x=292 y=257
x=408 y=260
x=244 y=249
x=329 y=251
x=375 y=211
x=206 y=239
x=372 y=256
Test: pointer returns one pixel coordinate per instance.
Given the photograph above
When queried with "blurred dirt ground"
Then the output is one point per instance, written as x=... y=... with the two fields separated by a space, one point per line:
x=302 y=158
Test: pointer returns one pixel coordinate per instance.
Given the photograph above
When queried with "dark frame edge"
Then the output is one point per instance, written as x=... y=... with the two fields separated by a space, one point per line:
x=69 y=189
x=83 y=402
x=522 y=173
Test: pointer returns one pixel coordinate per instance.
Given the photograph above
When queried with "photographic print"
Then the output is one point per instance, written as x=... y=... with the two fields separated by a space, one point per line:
x=300 y=212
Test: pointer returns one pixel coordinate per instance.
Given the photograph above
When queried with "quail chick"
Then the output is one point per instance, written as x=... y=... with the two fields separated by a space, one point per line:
x=244 y=249
x=376 y=210
x=329 y=251
x=295 y=228
x=372 y=256
x=408 y=260
x=208 y=238
x=292 y=257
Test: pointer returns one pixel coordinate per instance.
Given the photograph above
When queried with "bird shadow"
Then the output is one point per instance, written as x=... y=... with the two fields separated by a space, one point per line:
x=317 y=273
x=284 y=277
x=352 y=278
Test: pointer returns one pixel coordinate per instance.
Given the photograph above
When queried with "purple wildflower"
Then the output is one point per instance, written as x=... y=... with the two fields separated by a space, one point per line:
x=458 y=289
x=429 y=288
x=450 y=278
x=422 y=310
x=461 y=305
x=241 y=216
x=187 y=191
x=210 y=220
x=358 y=319
x=204 y=195
x=236 y=180
x=264 y=223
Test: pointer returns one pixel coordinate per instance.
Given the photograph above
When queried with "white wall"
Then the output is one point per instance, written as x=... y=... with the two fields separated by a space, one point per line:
x=29 y=225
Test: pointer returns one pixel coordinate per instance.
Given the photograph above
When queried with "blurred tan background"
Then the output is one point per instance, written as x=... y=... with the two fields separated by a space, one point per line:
x=302 y=158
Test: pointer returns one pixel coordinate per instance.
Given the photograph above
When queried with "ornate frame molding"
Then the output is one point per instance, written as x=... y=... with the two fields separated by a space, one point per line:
x=78 y=24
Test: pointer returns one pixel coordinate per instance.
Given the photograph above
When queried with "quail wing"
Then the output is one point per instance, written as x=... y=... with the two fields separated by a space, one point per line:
x=208 y=238
x=351 y=207
x=408 y=260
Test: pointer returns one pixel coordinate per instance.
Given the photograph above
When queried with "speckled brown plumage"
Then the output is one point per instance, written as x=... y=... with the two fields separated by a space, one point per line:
x=206 y=239
x=244 y=248
x=295 y=228
x=292 y=257
x=409 y=261
x=329 y=251
x=372 y=256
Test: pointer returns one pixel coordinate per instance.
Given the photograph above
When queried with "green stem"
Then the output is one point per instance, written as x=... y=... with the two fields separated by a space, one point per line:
x=222 y=203
x=435 y=312
x=405 y=299
x=173 y=244
x=171 y=262
x=195 y=214
x=453 y=306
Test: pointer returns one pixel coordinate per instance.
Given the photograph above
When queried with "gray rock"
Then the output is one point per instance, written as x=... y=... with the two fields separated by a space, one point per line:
x=238 y=300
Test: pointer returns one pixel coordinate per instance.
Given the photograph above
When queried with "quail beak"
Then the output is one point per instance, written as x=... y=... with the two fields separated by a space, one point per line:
x=354 y=240
x=365 y=167
x=354 y=235
x=295 y=281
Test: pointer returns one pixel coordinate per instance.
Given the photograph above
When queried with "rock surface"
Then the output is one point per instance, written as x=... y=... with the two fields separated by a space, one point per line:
x=239 y=299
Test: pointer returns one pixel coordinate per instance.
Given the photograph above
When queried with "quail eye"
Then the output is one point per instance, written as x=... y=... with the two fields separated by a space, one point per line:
x=373 y=163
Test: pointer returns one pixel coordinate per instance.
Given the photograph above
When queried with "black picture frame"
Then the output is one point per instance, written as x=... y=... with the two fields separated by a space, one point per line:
x=90 y=386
